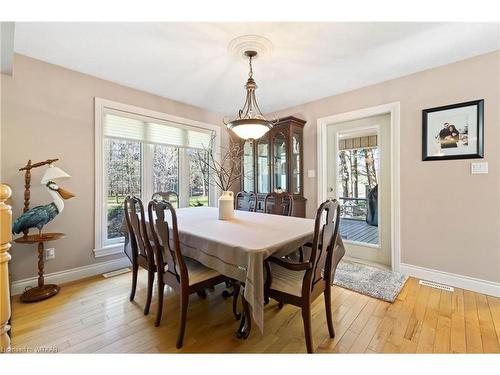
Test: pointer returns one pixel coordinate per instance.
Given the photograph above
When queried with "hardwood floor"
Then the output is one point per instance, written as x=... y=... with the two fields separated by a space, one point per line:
x=95 y=315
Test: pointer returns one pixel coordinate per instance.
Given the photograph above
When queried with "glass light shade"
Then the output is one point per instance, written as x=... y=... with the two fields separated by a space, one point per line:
x=250 y=131
x=54 y=174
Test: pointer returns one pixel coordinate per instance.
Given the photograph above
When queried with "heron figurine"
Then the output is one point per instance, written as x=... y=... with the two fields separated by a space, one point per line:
x=38 y=216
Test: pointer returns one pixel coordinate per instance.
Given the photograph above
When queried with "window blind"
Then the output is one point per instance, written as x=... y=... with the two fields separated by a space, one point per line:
x=150 y=130
x=358 y=142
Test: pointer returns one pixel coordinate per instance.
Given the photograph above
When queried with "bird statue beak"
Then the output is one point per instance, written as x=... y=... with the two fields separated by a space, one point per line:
x=65 y=194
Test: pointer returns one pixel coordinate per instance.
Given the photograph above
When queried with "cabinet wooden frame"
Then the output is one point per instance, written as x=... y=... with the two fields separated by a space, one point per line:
x=288 y=126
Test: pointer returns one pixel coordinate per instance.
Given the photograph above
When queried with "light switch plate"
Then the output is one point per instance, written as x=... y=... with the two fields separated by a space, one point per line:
x=50 y=253
x=311 y=173
x=479 y=168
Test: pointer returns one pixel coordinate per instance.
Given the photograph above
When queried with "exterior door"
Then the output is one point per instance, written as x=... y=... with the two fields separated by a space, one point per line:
x=359 y=178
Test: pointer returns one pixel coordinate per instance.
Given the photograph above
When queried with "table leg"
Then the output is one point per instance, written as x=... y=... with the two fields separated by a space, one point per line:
x=229 y=291
x=233 y=291
x=246 y=320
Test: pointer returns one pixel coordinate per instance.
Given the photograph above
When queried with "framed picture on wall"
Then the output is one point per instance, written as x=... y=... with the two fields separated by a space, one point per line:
x=453 y=131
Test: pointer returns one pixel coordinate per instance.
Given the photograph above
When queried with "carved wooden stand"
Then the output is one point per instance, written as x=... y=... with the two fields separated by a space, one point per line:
x=42 y=291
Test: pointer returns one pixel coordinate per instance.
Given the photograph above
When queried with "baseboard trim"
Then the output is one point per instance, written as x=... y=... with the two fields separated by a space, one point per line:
x=17 y=287
x=460 y=281
x=109 y=250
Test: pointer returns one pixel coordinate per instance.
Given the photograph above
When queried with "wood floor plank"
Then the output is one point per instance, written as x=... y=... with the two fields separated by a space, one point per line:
x=428 y=333
x=494 y=304
x=472 y=330
x=442 y=342
x=458 y=342
x=363 y=339
x=414 y=327
x=346 y=342
x=385 y=328
x=342 y=325
x=95 y=315
x=488 y=335
x=395 y=339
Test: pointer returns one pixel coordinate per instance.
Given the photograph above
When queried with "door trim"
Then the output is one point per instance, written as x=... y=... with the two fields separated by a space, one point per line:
x=394 y=110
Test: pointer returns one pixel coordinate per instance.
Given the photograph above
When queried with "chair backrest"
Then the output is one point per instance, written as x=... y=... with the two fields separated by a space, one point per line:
x=169 y=196
x=245 y=201
x=278 y=204
x=325 y=254
x=136 y=226
x=166 y=238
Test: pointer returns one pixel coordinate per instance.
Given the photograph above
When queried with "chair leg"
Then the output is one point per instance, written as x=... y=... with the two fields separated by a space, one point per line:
x=182 y=319
x=301 y=255
x=135 y=269
x=306 y=316
x=151 y=279
x=159 y=308
x=202 y=294
x=328 y=308
x=267 y=282
x=236 y=293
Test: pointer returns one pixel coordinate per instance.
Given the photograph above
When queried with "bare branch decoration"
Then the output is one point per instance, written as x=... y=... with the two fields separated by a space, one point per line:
x=225 y=172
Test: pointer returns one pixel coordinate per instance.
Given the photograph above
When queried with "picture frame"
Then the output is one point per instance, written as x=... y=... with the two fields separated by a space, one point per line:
x=453 y=131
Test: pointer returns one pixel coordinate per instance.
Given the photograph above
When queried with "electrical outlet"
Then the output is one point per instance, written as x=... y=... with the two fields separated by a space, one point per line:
x=50 y=253
x=479 y=168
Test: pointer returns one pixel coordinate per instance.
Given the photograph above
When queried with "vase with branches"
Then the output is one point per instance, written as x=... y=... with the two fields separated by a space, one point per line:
x=223 y=168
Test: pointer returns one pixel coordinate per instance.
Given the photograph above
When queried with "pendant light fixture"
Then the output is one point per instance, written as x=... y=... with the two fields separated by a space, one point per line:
x=250 y=123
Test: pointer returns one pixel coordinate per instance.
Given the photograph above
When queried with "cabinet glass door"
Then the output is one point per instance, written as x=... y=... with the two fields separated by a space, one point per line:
x=248 y=167
x=263 y=180
x=280 y=162
x=296 y=145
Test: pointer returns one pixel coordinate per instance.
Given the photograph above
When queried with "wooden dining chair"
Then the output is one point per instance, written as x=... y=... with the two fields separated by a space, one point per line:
x=183 y=274
x=281 y=204
x=278 y=204
x=300 y=284
x=169 y=196
x=136 y=248
x=245 y=201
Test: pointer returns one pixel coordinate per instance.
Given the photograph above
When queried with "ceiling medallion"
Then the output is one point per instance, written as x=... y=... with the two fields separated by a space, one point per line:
x=250 y=122
x=238 y=46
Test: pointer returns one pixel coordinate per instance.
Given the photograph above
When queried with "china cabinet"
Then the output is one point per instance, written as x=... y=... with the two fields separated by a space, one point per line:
x=274 y=163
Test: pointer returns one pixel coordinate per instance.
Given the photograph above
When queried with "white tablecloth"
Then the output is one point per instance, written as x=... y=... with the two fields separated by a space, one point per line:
x=237 y=248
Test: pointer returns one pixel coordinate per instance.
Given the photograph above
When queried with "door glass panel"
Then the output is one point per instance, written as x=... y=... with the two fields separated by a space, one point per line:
x=263 y=166
x=280 y=163
x=296 y=144
x=248 y=167
x=357 y=186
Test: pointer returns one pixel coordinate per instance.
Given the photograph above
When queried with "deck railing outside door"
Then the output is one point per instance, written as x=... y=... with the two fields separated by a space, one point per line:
x=353 y=208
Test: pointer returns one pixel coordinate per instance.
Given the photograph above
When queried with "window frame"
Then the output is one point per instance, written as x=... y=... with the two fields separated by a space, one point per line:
x=103 y=246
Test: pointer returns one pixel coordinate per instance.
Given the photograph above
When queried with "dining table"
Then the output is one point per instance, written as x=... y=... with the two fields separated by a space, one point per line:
x=238 y=247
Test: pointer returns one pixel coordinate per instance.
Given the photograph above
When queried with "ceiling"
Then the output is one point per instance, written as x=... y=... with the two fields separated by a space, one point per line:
x=190 y=62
